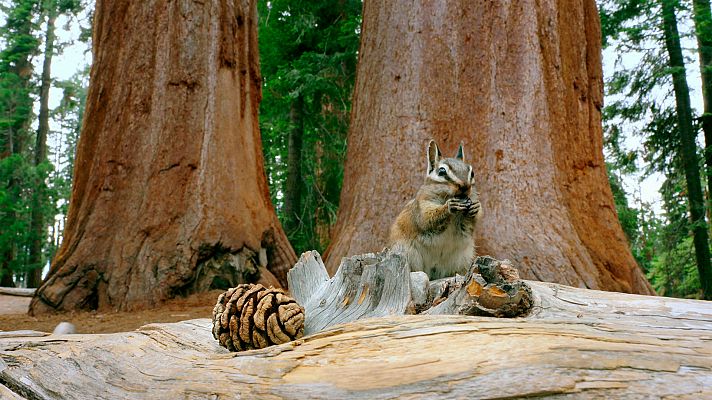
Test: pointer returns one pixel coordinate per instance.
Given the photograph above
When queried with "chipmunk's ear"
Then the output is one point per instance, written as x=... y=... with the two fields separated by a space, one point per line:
x=460 y=153
x=433 y=156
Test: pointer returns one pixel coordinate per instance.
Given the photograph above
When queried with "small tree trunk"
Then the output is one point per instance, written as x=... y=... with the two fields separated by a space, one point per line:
x=5 y=272
x=520 y=82
x=703 y=31
x=43 y=127
x=38 y=227
x=294 y=184
x=169 y=180
x=688 y=147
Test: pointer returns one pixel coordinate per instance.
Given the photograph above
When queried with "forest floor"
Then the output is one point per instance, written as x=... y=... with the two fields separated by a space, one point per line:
x=13 y=315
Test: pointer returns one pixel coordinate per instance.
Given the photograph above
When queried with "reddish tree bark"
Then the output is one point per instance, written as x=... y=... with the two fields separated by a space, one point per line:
x=169 y=170
x=520 y=83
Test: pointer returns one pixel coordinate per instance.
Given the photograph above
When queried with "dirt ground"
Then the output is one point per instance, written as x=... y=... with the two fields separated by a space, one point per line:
x=13 y=315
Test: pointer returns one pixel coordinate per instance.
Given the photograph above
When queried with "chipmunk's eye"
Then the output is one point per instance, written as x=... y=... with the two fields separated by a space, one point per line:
x=442 y=171
x=472 y=175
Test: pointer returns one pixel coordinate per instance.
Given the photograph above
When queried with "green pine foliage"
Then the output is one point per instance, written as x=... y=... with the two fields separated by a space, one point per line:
x=19 y=45
x=24 y=185
x=674 y=272
x=14 y=211
x=308 y=54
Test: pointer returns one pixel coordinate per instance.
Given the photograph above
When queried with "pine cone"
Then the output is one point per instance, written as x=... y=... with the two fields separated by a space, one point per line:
x=254 y=317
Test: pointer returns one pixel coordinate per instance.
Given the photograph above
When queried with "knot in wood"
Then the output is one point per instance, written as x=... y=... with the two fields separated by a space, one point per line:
x=254 y=317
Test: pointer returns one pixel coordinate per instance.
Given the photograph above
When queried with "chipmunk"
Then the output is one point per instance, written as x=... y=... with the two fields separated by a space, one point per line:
x=435 y=231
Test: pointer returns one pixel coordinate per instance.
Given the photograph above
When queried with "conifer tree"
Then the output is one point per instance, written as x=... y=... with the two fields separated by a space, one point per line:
x=19 y=45
x=651 y=101
x=308 y=61
x=687 y=148
x=42 y=207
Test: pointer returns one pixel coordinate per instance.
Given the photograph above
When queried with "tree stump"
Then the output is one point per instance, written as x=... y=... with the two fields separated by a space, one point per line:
x=381 y=284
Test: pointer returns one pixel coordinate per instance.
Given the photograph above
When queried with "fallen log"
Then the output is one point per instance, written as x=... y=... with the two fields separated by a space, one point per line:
x=577 y=342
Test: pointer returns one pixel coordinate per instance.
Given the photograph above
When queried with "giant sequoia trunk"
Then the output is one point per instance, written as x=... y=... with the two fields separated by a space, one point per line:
x=520 y=83
x=169 y=180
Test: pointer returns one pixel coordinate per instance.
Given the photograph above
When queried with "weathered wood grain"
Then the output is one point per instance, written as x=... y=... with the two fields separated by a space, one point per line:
x=380 y=284
x=575 y=343
x=11 y=291
x=368 y=285
x=7 y=394
x=22 y=333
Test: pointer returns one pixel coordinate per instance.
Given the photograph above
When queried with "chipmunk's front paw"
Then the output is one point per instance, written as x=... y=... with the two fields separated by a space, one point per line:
x=473 y=209
x=456 y=205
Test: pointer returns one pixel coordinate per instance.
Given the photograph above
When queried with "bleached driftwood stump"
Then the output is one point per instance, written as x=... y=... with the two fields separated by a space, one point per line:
x=381 y=284
x=573 y=342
